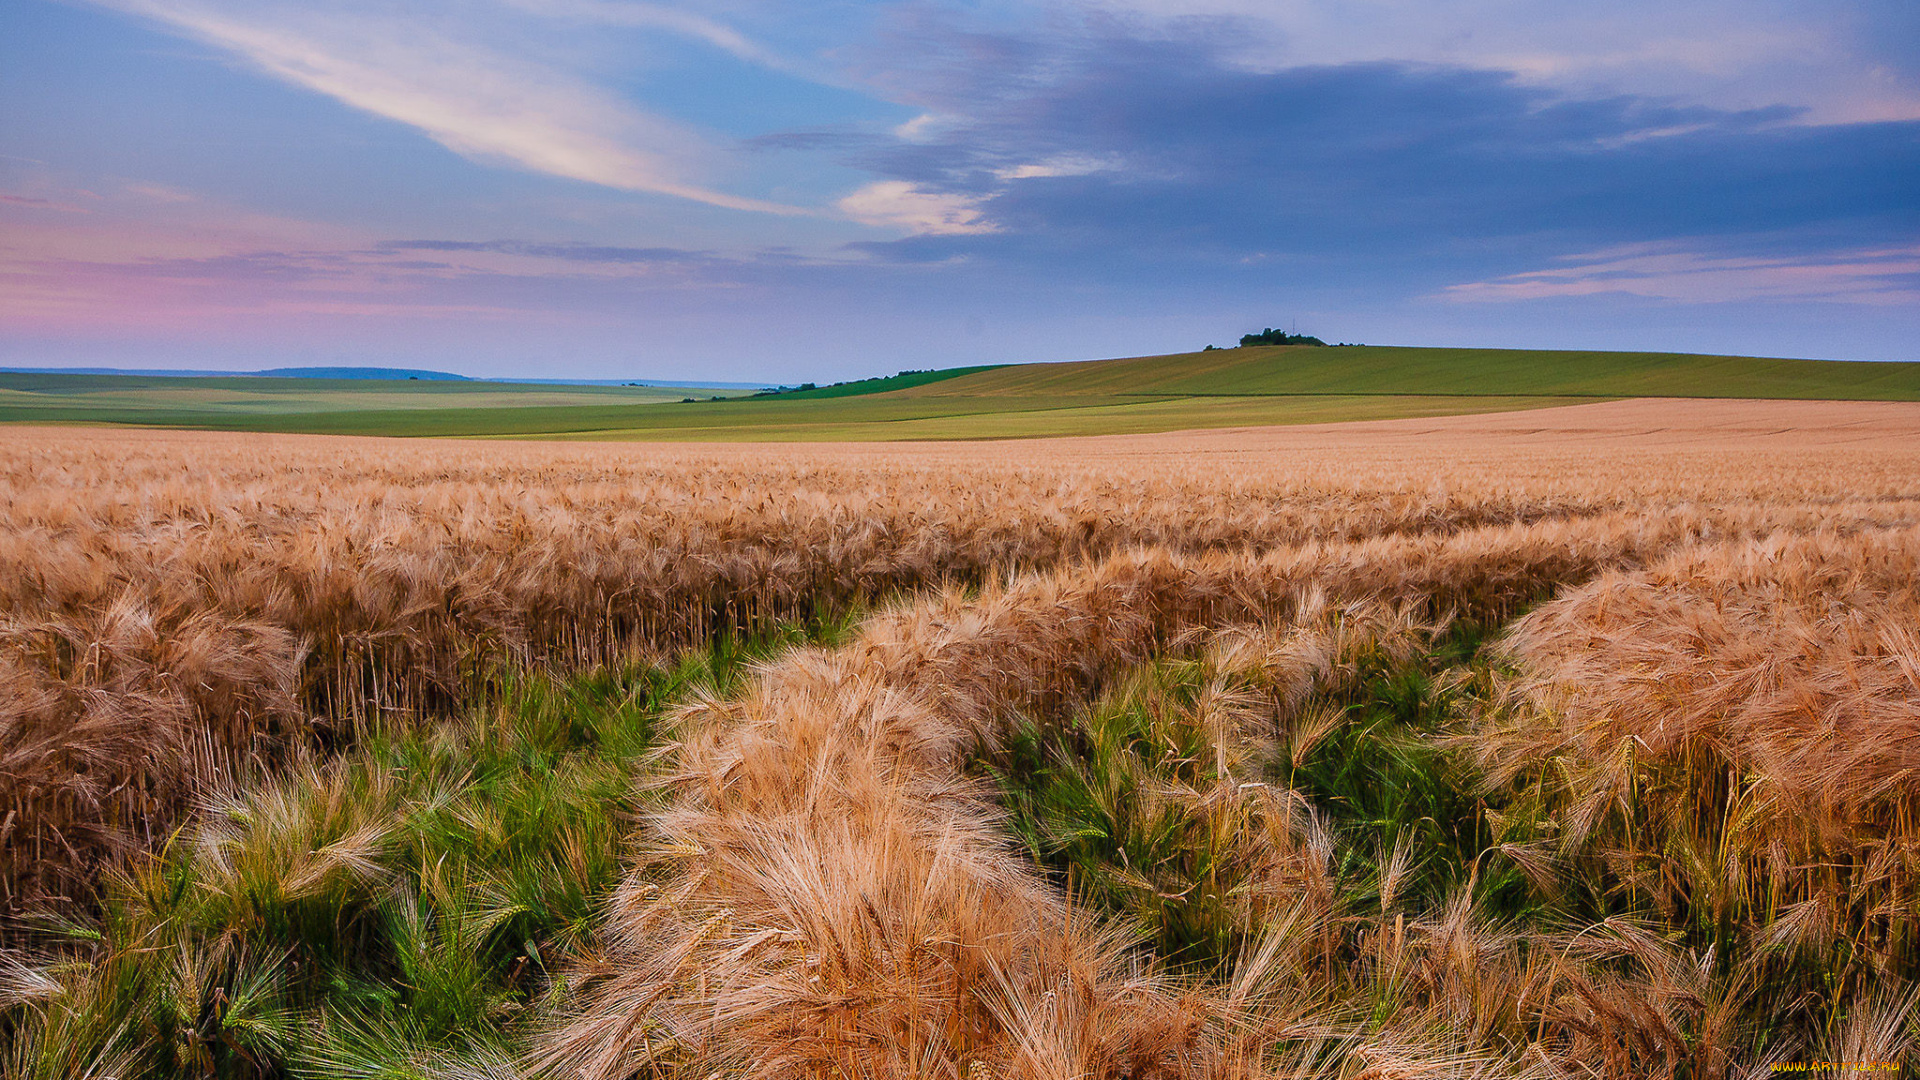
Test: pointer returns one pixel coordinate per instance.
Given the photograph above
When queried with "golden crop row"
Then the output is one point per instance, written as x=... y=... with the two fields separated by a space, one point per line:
x=181 y=609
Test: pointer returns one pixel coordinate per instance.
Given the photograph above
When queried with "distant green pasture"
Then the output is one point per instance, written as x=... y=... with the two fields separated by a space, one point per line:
x=1221 y=388
x=204 y=401
x=1299 y=369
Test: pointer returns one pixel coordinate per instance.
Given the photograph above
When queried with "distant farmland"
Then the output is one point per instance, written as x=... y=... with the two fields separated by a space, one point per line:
x=1223 y=388
x=261 y=403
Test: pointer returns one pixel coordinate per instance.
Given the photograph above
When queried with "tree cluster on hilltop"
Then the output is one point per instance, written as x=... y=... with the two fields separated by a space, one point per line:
x=1270 y=336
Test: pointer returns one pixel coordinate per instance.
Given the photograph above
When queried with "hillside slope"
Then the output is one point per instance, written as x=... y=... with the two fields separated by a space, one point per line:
x=1304 y=369
x=1223 y=388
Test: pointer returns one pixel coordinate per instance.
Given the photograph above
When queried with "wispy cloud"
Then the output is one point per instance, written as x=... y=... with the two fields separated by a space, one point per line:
x=35 y=203
x=631 y=13
x=481 y=102
x=1834 y=63
x=579 y=253
x=1667 y=272
x=1118 y=151
x=899 y=204
x=207 y=259
x=1062 y=165
x=159 y=193
x=155 y=286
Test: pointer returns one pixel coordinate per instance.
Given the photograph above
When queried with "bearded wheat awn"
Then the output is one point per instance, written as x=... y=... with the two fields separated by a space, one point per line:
x=176 y=608
x=348 y=579
x=180 y=610
x=828 y=809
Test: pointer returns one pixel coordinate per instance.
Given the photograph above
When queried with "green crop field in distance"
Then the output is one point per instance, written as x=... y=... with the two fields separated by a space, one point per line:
x=1220 y=388
x=1112 y=418
x=179 y=401
x=1358 y=370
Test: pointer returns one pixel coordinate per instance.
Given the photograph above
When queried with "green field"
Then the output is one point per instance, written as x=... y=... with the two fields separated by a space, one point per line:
x=1361 y=370
x=246 y=401
x=880 y=384
x=1221 y=388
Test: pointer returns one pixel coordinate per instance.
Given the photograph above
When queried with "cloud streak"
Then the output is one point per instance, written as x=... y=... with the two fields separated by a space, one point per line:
x=899 y=204
x=1398 y=172
x=482 y=103
x=1836 y=63
x=36 y=203
x=630 y=13
x=1668 y=272
x=572 y=252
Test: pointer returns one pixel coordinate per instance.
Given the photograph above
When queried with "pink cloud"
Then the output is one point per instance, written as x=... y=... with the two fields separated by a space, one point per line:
x=187 y=265
x=33 y=203
x=1885 y=276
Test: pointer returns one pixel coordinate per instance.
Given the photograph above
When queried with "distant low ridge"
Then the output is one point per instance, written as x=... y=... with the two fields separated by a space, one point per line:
x=401 y=374
x=383 y=374
x=1249 y=386
x=360 y=373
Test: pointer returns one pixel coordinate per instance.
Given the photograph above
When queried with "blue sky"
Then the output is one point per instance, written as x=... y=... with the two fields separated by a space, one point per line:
x=746 y=190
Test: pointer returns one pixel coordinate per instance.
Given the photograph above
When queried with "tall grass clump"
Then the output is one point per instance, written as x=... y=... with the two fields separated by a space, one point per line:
x=1725 y=745
x=1306 y=840
x=825 y=881
x=1197 y=796
x=395 y=910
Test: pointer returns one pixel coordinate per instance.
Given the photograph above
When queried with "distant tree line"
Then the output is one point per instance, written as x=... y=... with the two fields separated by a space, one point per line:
x=1270 y=336
x=772 y=391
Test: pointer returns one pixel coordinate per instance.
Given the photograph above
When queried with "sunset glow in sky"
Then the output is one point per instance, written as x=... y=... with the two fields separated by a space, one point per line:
x=749 y=190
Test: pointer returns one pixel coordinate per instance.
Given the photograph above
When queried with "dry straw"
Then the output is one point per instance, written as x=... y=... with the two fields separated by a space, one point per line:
x=826 y=892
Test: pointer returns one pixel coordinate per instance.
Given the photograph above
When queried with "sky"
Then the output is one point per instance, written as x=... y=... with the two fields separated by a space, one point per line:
x=750 y=190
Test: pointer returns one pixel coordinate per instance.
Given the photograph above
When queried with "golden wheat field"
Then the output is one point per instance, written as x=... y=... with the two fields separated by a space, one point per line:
x=1579 y=742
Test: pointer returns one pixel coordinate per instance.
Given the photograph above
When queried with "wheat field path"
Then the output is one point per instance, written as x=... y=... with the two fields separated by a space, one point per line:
x=821 y=877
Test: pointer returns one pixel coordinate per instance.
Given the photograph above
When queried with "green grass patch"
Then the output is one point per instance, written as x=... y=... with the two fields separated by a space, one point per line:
x=1223 y=388
x=861 y=419
x=1362 y=370
x=881 y=384
x=395 y=910
x=214 y=401
x=1163 y=808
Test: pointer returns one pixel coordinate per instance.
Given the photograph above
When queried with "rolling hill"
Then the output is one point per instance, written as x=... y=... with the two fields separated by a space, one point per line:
x=1214 y=389
x=282 y=402
x=1364 y=370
